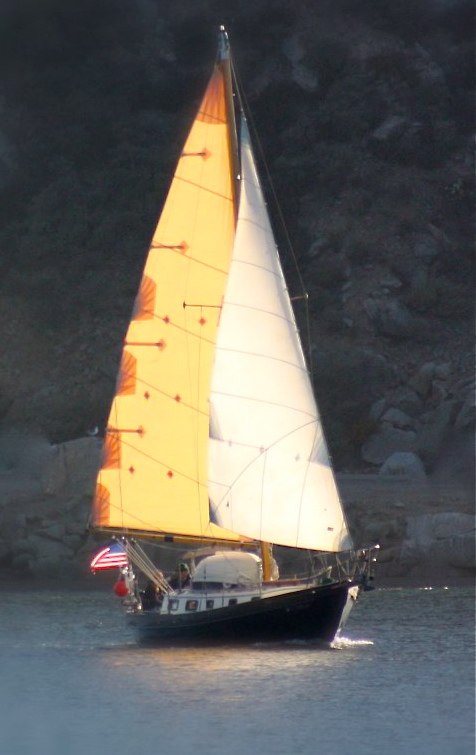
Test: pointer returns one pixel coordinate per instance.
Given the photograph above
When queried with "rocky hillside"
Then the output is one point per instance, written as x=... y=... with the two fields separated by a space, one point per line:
x=365 y=116
x=425 y=531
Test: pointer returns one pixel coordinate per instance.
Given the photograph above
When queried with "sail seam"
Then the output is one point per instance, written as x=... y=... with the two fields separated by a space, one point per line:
x=204 y=188
x=239 y=305
x=248 y=263
x=302 y=368
x=265 y=227
x=264 y=402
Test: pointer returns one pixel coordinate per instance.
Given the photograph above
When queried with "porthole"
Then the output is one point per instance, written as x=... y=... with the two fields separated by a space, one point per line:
x=191 y=605
x=210 y=604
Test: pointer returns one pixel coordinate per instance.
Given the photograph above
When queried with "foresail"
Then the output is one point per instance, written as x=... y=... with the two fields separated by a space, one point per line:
x=270 y=474
x=154 y=476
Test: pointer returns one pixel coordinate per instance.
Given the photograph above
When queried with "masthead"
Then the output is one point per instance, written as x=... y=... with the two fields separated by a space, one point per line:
x=223 y=44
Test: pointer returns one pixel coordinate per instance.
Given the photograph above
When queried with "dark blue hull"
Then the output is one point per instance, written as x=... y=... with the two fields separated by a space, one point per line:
x=311 y=614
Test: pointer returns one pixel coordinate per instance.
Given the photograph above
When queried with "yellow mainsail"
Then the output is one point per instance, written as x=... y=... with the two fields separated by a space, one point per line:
x=154 y=473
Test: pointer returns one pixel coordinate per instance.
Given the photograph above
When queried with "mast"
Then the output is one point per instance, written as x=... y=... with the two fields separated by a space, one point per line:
x=266 y=556
x=224 y=62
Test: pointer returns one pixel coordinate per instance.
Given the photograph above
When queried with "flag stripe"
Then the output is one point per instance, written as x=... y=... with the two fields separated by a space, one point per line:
x=111 y=557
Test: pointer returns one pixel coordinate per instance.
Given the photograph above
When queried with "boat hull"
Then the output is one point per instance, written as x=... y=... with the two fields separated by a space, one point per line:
x=315 y=613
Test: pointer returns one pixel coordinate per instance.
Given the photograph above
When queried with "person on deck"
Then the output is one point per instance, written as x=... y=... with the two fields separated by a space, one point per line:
x=181 y=578
x=151 y=596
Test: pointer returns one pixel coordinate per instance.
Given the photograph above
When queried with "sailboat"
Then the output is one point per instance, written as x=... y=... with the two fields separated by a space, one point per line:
x=214 y=444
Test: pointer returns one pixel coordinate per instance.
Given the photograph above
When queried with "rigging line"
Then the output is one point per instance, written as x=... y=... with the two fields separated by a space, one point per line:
x=197 y=442
x=303 y=486
x=243 y=103
x=244 y=106
x=262 y=496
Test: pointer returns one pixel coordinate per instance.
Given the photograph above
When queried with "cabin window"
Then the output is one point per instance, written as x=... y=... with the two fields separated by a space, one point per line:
x=233 y=601
x=173 y=605
x=191 y=605
x=210 y=603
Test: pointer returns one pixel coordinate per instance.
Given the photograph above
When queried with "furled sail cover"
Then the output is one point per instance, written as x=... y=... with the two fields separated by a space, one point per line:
x=270 y=475
x=154 y=472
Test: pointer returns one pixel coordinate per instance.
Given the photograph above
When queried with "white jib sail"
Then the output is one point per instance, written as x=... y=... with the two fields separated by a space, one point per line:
x=270 y=476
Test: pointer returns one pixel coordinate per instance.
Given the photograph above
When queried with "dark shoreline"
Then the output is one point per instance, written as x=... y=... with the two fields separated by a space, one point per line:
x=104 y=583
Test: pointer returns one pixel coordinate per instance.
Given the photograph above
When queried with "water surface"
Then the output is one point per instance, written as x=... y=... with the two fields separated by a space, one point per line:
x=401 y=680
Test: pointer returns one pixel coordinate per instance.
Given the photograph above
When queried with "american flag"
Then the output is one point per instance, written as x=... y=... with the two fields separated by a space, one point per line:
x=112 y=556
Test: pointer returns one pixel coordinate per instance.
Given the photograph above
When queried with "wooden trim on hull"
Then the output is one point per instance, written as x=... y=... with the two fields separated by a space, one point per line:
x=311 y=614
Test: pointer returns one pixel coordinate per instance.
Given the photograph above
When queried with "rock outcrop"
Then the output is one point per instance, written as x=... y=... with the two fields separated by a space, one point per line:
x=45 y=500
x=426 y=417
x=425 y=532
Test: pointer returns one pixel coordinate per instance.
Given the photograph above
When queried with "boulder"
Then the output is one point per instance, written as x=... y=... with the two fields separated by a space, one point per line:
x=404 y=464
x=407 y=400
x=426 y=246
x=465 y=418
x=72 y=466
x=460 y=551
x=443 y=371
x=446 y=538
x=377 y=408
x=387 y=441
x=440 y=526
x=435 y=430
x=389 y=317
x=410 y=555
x=423 y=379
x=391 y=281
x=397 y=418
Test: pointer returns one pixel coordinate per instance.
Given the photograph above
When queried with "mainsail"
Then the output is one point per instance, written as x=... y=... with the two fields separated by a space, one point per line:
x=154 y=476
x=214 y=432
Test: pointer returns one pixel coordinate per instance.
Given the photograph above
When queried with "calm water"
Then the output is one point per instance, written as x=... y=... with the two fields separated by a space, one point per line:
x=72 y=680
